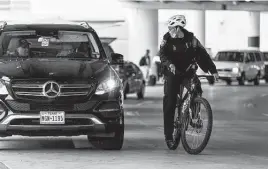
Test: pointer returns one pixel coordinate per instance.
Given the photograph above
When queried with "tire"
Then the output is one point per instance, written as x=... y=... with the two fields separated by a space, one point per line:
x=211 y=81
x=199 y=149
x=241 y=80
x=141 y=92
x=257 y=80
x=228 y=82
x=176 y=140
x=266 y=79
x=152 y=81
x=114 y=143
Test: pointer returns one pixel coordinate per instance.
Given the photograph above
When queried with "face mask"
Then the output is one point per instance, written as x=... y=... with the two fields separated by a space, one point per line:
x=173 y=32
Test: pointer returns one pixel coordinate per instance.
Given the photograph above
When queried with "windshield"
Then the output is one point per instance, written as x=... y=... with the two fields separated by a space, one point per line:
x=49 y=44
x=265 y=56
x=230 y=56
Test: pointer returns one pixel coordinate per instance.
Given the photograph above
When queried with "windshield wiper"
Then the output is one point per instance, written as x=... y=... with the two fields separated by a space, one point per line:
x=79 y=58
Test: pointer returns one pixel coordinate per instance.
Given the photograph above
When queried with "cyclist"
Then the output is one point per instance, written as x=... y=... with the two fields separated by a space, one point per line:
x=180 y=49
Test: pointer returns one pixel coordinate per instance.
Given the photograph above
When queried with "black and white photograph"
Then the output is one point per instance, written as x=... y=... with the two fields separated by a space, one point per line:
x=136 y=84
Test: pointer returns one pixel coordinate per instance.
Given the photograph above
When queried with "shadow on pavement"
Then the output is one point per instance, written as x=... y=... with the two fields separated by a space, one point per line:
x=150 y=98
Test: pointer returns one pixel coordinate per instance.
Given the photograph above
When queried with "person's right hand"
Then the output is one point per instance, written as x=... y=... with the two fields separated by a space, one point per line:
x=172 y=68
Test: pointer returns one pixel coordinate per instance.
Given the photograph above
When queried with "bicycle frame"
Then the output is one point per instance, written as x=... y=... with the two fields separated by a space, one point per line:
x=187 y=99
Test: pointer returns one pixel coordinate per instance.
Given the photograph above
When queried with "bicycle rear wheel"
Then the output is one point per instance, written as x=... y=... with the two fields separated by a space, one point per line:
x=176 y=132
x=194 y=120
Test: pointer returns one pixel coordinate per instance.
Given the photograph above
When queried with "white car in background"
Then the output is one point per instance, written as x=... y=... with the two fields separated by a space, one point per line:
x=154 y=71
x=240 y=65
x=265 y=56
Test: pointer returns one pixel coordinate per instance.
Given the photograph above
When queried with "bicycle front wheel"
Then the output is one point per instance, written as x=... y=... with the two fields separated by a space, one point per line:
x=194 y=124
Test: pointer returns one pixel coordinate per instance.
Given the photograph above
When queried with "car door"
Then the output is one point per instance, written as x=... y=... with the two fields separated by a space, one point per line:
x=247 y=68
x=138 y=77
x=253 y=66
x=130 y=76
x=260 y=63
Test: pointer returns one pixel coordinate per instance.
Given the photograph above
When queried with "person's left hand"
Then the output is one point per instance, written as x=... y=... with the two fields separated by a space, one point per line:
x=216 y=76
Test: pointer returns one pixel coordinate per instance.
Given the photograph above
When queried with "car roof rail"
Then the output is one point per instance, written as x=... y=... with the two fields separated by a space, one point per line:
x=85 y=25
x=3 y=25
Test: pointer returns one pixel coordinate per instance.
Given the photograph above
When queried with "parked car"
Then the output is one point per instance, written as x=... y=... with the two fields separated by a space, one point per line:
x=210 y=78
x=265 y=56
x=130 y=74
x=132 y=78
x=240 y=65
x=55 y=80
x=106 y=43
x=154 y=71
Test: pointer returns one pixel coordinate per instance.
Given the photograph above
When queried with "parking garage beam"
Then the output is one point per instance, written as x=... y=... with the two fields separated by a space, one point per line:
x=200 y=26
x=142 y=33
x=254 y=30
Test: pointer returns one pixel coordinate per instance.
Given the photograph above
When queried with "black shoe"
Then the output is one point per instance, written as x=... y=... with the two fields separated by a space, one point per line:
x=169 y=139
x=170 y=143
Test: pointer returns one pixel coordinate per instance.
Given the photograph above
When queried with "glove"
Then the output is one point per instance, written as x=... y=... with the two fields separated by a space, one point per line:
x=172 y=68
x=216 y=76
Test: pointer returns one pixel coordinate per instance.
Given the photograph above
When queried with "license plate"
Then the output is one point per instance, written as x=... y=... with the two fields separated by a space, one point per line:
x=52 y=117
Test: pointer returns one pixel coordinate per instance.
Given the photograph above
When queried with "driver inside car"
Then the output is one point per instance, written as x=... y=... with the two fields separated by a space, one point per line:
x=23 y=49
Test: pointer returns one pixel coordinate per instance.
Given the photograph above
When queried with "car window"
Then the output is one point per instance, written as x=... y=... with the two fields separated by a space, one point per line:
x=258 y=56
x=265 y=56
x=251 y=57
x=230 y=56
x=49 y=44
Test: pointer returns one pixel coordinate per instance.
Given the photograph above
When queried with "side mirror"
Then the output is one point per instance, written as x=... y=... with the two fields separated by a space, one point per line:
x=117 y=59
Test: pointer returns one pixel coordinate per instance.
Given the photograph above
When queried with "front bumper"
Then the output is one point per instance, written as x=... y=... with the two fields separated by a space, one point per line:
x=100 y=119
x=11 y=126
x=229 y=75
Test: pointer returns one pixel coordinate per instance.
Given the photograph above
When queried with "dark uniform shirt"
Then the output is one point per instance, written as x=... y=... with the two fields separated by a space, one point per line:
x=183 y=51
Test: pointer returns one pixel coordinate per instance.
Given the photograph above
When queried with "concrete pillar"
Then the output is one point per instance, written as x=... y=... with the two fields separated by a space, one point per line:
x=254 y=30
x=200 y=26
x=142 y=33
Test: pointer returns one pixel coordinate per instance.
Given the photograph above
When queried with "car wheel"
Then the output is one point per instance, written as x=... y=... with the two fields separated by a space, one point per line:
x=257 y=80
x=152 y=81
x=229 y=82
x=141 y=92
x=111 y=143
x=211 y=81
x=241 y=80
x=266 y=79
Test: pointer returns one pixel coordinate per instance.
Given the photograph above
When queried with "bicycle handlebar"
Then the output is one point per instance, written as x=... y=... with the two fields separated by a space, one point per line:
x=199 y=76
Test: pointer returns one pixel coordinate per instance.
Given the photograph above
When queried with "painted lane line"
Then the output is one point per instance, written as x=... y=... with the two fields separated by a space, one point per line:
x=132 y=114
x=265 y=114
x=263 y=95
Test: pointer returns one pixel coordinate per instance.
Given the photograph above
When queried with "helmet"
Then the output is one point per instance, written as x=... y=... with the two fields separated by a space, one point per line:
x=177 y=20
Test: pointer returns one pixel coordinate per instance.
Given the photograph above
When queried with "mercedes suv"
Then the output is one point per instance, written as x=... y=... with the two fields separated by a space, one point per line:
x=56 y=80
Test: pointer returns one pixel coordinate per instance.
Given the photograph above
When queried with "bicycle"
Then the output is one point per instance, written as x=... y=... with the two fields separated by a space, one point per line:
x=186 y=114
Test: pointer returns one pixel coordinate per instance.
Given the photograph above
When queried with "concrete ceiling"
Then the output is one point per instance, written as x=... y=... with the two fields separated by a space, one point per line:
x=197 y=5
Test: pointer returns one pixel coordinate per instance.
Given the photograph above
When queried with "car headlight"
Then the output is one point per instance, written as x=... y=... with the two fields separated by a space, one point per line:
x=3 y=89
x=107 y=86
x=235 y=70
